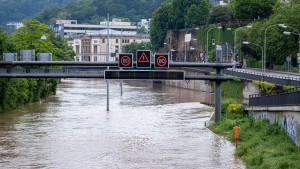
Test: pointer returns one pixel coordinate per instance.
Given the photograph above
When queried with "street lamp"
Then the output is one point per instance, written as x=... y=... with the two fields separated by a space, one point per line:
x=234 y=45
x=289 y=33
x=262 y=53
x=185 y=38
x=265 y=43
x=219 y=27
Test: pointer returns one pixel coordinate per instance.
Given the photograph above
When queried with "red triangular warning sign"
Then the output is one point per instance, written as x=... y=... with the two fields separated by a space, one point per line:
x=143 y=58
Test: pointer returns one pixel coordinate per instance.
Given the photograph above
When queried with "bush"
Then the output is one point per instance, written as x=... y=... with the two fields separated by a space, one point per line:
x=234 y=111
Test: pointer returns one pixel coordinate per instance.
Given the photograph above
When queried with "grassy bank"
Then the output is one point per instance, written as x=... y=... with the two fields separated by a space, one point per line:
x=261 y=145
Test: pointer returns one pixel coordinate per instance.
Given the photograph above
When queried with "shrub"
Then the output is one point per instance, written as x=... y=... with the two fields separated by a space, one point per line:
x=234 y=111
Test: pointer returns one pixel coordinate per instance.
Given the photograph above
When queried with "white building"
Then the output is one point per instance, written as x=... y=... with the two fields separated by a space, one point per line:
x=92 y=46
x=70 y=28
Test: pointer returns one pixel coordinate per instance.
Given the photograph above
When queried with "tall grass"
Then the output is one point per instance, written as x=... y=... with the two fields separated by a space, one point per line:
x=261 y=145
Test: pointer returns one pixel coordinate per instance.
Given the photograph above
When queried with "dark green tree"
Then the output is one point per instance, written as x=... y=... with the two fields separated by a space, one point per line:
x=220 y=14
x=179 y=11
x=160 y=25
x=253 y=9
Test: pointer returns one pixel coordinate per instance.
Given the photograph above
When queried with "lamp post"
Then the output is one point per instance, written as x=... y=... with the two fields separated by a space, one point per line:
x=289 y=33
x=234 y=45
x=265 y=44
x=186 y=41
x=262 y=53
x=219 y=27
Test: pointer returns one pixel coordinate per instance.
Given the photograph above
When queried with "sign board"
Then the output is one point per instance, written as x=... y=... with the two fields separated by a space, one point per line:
x=27 y=55
x=187 y=37
x=298 y=58
x=161 y=60
x=125 y=60
x=10 y=57
x=44 y=57
x=288 y=59
x=143 y=58
x=144 y=75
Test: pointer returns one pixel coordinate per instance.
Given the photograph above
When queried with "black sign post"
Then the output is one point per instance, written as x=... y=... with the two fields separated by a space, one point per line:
x=125 y=60
x=143 y=58
x=161 y=61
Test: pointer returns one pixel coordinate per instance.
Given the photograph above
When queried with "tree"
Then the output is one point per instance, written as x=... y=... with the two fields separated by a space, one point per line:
x=192 y=17
x=179 y=11
x=4 y=42
x=220 y=14
x=253 y=9
x=134 y=46
x=160 y=25
x=29 y=37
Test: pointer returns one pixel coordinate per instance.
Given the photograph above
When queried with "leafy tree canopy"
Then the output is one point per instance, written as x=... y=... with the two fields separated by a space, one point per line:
x=17 y=10
x=29 y=37
x=253 y=9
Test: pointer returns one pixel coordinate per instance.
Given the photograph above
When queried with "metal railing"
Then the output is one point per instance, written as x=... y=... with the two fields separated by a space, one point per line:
x=288 y=98
x=275 y=79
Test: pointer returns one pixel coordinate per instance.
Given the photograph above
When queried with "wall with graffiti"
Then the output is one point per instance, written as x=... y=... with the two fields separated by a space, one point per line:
x=289 y=121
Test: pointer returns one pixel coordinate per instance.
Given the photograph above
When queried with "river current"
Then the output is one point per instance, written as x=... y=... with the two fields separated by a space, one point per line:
x=148 y=127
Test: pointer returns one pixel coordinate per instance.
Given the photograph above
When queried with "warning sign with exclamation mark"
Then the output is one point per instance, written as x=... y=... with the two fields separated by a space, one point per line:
x=143 y=58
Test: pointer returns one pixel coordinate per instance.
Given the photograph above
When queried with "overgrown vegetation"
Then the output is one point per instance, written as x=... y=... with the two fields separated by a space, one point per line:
x=233 y=90
x=260 y=144
x=16 y=92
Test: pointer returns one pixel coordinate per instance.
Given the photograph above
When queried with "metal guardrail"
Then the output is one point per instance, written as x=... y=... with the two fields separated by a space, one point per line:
x=282 y=99
x=280 y=80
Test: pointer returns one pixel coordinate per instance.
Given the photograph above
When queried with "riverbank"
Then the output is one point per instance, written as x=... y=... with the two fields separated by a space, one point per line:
x=260 y=144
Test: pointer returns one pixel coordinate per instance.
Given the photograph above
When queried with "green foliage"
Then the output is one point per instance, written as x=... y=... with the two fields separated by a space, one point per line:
x=261 y=145
x=29 y=37
x=134 y=46
x=253 y=9
x=197 y=14
x=253 y=63
x=17 y=10
x=235 y=111
x=220 y=14
x=160 y=25
x=233 y=89
x=16 y=92
x=264 y=86
x=4 y=42
x=225 y=104
x=94 y=11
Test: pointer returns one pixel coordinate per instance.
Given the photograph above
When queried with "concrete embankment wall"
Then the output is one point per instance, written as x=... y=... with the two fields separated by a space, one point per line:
x=286 y=117
x=200 y=85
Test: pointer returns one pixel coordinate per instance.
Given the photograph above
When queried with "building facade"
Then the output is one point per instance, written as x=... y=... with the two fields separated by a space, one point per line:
x=94 y=47
x=70 y=28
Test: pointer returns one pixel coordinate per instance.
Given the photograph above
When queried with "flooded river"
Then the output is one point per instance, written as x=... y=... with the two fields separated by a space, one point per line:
x=147 y=127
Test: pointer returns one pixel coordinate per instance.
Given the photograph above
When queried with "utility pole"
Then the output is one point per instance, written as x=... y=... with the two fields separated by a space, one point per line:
x=107 y=59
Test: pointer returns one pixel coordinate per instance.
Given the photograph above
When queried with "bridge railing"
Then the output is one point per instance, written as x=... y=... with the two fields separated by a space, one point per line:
x=289 y=98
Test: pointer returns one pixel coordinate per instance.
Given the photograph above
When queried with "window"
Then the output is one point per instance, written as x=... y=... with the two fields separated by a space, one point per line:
x=116 y=49
x=77 y=48
x=95 y=59
x=117 y=40
x=95 y=41
x=103 y=40
x=95 y=49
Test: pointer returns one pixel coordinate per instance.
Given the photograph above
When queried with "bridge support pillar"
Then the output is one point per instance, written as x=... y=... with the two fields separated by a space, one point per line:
x=218 y=97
